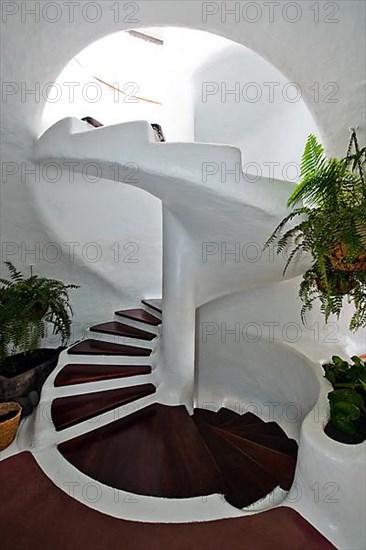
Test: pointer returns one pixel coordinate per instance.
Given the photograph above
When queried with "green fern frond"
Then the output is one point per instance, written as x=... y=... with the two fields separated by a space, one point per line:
x=312 y=157
x=27 y=306
x=15 y=275
x=333 y=218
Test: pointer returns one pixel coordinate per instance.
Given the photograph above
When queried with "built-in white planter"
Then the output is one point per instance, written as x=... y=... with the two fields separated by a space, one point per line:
x=330 y=480
x=278 y=383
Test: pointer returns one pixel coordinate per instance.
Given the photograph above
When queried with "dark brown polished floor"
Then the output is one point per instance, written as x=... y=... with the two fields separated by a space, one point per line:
x=36 y=515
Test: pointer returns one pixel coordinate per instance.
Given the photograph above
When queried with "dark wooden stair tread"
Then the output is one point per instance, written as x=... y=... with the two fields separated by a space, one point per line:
x=158 y=452
x=226 y=417
x=251 y=427
x=154 y=304
x=81 y=373
x=215 y=418
x=268 y=428
x=265 y=436
x=119 y=329
x=98 y=347
x=68 y=411
x=161 y=451
x=282 y=465
x=246 y=420
x=246 y=479
x=139 y=315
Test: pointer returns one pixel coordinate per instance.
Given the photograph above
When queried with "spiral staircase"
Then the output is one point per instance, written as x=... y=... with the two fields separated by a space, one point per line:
x=160 y=450
x=123 y=412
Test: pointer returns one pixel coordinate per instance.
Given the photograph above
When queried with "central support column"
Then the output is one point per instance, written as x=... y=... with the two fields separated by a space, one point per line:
x=178 y=336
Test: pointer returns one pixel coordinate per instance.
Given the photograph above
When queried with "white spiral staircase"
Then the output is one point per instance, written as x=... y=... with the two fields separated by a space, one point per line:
x=200 y=210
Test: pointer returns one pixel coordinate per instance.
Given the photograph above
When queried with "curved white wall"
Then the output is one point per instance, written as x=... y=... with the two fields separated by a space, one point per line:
x=36 y=51
x=114 y=231
x=301 y=50
x=272 y=314
x=265 y=117
x=253 y=349
x=265 y=378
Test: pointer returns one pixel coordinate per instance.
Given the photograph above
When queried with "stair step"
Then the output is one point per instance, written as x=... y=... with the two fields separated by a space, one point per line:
x=226 y=417
x=139 y=315
x=288 y=446
x=98 y=347
x=250 y=427
x=68 y=411
x=119 y=329
x=154 y=304
x=269 y=434
x=82 y=373
x=282 y=465
x=268 y=428
x=157 y=452
x=244 y=421
x=246 y=479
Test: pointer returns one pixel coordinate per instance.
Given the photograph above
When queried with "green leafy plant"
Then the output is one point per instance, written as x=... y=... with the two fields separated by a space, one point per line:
x=348 y=399
x=26 y=306
x=331 y=227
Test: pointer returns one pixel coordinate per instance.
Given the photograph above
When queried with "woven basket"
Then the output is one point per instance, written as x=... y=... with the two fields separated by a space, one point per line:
x=337 y=255
x=8 y=428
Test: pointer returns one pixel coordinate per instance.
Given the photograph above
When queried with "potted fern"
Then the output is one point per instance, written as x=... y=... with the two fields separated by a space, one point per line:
x=27 y=305
x=330 y=206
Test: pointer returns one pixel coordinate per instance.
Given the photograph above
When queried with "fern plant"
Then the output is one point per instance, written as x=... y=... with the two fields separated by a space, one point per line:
x=330 y=201
x=26 y=306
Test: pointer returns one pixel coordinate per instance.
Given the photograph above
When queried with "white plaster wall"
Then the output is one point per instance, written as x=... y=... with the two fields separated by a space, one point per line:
x=265 y=378
x=178 y=112
x=246 y=332
x=243 y=335
x=35 y=50
x=302 y=51
x=151 y=82
x=265 y=117
x=78 y=94
x=103 y=236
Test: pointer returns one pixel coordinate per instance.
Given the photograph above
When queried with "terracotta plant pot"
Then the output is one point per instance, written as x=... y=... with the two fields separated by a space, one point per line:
x=337 y=259
x=38 y=312
x=342 y=288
